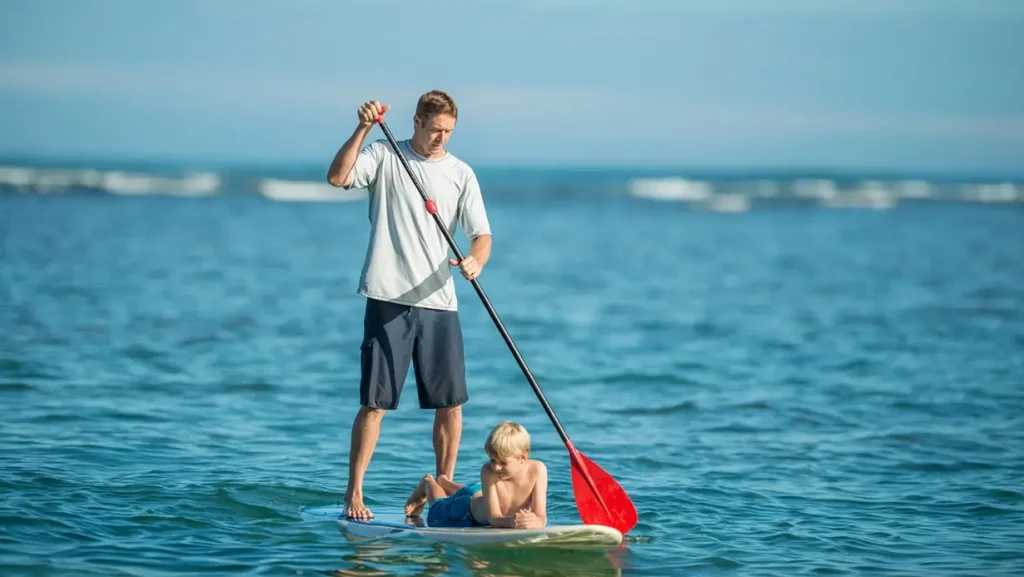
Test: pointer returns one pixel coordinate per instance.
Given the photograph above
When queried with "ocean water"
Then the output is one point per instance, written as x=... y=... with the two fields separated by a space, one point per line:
x=783 y=388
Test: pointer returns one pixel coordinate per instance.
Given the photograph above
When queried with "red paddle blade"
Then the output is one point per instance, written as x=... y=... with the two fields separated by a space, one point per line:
x=599 y=498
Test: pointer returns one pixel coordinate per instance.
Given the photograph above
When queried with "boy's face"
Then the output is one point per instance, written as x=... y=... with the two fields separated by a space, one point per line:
x=507 y=467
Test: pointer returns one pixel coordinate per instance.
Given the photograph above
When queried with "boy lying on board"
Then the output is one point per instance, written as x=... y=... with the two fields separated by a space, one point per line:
x=512 y=491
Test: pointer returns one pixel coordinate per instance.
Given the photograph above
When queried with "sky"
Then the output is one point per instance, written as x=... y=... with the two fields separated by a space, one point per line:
x=897 y=84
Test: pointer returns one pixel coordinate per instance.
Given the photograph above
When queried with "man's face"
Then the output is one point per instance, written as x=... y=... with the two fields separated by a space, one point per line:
x=432 y=133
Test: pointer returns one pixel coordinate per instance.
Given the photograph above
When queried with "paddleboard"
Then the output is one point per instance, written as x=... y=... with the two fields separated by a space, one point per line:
x=393 y=524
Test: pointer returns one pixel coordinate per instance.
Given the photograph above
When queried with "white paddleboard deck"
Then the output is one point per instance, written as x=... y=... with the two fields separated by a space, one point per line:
x=393 y=524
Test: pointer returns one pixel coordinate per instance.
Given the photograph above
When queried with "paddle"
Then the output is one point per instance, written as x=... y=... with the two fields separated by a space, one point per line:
x=599 y=498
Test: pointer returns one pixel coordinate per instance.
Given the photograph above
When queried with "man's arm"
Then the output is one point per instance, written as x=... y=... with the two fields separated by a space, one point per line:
x=473 y=219
x=480 y=249
x=479 y=253
x=340 y=172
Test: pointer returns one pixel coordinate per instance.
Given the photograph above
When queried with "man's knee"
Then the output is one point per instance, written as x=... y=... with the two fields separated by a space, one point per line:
x=455 y=411
x=371 y=414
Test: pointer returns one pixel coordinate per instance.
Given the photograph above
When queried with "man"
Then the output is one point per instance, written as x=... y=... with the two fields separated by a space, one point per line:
x=411 y=310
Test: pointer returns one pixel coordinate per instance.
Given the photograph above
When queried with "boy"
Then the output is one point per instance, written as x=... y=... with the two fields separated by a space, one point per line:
x=512 y=491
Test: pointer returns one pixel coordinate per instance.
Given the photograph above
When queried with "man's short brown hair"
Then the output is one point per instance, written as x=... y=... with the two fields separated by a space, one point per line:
x=436 y=102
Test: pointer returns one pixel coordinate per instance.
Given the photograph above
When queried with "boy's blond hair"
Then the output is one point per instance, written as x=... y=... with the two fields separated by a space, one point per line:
x=508 y=440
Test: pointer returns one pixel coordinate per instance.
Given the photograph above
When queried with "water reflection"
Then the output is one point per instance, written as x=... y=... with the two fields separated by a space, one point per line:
x=542 y=562
x=380 y=556
x=377 y=557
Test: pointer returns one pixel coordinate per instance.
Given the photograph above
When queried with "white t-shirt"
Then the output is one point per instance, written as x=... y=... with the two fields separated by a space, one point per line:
x=407 y=257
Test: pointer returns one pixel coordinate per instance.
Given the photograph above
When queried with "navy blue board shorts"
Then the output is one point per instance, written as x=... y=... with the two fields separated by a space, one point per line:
x=454 y=510
x=395 y=335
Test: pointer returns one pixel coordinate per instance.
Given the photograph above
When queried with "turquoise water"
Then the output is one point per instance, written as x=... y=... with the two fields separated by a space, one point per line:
x=791 y=390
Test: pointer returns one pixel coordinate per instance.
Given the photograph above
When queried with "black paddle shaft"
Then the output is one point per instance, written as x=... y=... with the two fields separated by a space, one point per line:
x=432 y=209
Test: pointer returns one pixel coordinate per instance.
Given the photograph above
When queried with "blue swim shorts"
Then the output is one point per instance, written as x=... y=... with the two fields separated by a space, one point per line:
x=454 y=510
x=396 y=335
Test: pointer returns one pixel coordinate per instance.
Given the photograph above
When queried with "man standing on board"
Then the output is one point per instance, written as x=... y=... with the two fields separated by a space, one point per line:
x=411 y=310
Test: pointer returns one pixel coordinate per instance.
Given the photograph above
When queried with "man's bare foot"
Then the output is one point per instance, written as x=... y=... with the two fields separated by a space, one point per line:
x=355 y=509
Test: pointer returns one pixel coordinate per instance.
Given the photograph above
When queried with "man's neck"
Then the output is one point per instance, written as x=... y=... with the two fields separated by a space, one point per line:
x=425 y=154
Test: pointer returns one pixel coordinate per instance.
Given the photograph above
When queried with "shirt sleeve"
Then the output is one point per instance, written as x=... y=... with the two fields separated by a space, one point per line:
x=364 y=173
x=472 y=214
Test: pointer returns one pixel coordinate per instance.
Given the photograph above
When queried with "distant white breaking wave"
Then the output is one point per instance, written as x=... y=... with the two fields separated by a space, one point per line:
x=670 y=189
x=726 y=203
x=306 y=191
x=1003 y=192
x=701 y=194
x=201 y=184
x=870 y=194
x=55 y=181
x=736 y=196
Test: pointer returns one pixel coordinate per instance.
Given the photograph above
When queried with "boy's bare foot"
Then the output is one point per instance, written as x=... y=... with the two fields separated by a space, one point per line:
x=446 y=483
x=414 y=504
x=355 y=509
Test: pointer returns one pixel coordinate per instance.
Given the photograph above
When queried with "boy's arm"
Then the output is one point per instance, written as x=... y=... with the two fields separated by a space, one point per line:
x=494 y=516
x=540 y=494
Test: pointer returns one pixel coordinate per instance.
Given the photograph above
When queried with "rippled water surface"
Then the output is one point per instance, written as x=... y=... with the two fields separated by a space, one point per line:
x=789 y=391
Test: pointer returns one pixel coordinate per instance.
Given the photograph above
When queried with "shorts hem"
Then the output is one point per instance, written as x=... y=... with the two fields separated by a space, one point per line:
x=408 y=303
x=457 y=403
